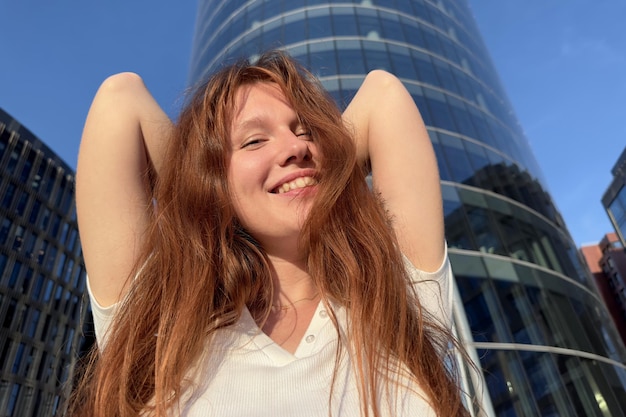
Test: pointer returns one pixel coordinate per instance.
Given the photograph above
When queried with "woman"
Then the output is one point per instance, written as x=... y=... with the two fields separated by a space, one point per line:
x=238 y=263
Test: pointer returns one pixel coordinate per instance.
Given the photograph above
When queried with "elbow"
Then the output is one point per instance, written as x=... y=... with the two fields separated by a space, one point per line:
x=382 y=76
x=383 y=79
x=121 y=82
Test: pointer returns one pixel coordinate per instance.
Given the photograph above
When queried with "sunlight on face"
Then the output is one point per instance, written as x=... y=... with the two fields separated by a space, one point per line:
x=272 y=171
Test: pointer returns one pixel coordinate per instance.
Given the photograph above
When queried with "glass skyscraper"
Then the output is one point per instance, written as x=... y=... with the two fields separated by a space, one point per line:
x=529 y=311
x=42 y=276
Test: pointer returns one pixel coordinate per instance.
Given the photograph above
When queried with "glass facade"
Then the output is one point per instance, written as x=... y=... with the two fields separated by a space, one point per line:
x=42 y=276
x=614 y=199
x=533 y=317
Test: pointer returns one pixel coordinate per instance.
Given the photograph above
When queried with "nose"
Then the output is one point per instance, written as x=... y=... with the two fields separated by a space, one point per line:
x=296 y=149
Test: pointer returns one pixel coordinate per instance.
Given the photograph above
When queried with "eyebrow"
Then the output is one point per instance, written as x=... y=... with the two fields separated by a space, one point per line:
x=252 y=122
x=258 y=121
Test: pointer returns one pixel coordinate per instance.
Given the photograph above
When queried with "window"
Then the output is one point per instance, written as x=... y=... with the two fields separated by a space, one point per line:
x=344 y=21
x=28 y=165
x=412 y=31
x=402 y=62
x=21 y=203
x=458 y=162
x=391 y=27
x=294 y=27
x=323 y=58
x=48 y=290
x=61 y=264
x=439 y=110
x=72 y=239
x=18 y=358
x=67 y=277
x=8 y=196
x=15 y=391
x=14 y=158
x=34 y=212
x=56 y=224
x=350 y=57
x=375 y=55
x=45 y=219
x=50 y=258
x=29 y=244
x=28 y=276
x=445 y=75
x=37 y=179
x=37 y=287
x=8 y=318
x=5 y=227
x=368 y=22
x=48 y=183
x=18 y=238
x=425 y=70
x=17 y=267
x=461 y=117
x=41 y=253
x=3 y=263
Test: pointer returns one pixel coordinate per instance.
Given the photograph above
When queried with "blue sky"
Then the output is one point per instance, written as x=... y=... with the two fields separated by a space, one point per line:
x=562 y=63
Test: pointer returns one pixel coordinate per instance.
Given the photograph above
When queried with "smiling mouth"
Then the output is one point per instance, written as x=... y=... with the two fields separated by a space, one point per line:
x=300 y=182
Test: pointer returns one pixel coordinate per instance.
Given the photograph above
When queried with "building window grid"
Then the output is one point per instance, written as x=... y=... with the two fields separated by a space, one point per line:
x=243 y=11
x=539 y=240
x=546 y=323
x=22 y=210
x=526 y=387
x=452 y=124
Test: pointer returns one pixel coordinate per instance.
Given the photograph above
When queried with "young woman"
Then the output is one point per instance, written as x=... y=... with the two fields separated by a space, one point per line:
x=238 y=263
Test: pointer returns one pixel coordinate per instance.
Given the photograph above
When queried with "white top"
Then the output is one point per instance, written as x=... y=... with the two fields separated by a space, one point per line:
x=248 y=374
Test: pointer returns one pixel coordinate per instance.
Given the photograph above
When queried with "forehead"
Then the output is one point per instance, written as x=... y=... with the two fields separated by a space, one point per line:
x=254 y=101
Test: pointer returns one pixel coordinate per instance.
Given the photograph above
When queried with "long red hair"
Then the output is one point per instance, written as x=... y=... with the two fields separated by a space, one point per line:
x=199 y=268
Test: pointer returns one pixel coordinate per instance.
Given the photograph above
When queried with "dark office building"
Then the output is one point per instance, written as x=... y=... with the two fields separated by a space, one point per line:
x=607 y=263
x=614 y=199
x=42 y=275
x=531 y=316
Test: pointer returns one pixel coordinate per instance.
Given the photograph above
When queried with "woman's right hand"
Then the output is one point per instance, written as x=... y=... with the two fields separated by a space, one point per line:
x=123 y=140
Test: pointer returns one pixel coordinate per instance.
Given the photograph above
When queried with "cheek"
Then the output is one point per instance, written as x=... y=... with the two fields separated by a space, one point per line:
x=245 y=181
x=242 y=176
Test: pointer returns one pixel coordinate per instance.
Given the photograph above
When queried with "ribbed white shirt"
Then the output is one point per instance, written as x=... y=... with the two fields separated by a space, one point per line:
x=247 y=374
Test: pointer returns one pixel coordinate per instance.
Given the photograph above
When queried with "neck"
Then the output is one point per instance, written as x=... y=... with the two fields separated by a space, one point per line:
x=291 y=280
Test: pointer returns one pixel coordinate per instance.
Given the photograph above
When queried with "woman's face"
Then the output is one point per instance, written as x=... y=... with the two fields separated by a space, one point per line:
x=272 y=173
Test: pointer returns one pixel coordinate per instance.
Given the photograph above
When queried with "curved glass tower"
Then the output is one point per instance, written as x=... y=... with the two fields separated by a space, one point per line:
x=42 y=276
x=529 y=310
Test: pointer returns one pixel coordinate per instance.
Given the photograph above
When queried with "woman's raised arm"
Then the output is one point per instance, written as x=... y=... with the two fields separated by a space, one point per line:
x=390 y=132
x=123 y=139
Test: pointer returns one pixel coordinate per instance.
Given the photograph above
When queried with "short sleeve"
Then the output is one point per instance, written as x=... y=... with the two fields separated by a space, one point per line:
x=102 y=317
x=434 y=289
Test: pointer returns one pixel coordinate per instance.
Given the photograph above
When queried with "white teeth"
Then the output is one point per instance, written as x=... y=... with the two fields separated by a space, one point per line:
x=297 y=183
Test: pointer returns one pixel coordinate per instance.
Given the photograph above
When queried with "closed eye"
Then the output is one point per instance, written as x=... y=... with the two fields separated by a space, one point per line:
x=252 y=143
x=304 y=133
